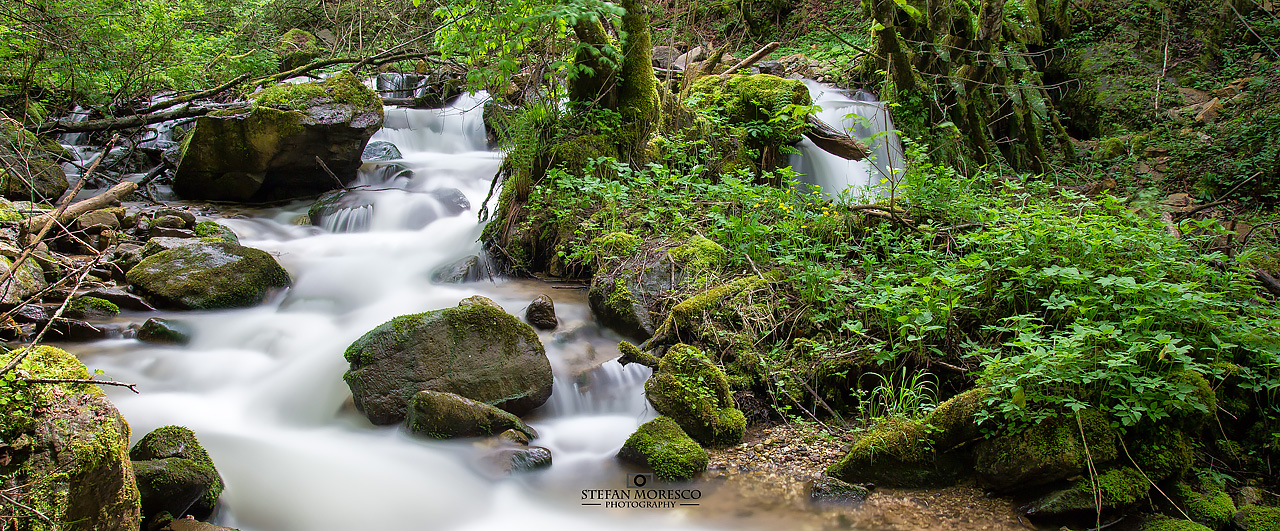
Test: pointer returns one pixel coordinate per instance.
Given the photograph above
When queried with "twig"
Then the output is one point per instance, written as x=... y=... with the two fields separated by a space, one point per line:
x=1153 y=484
x=326 y=169
x=1255 y=34
x=53 y=526
x=131 y=387
x=850 y=44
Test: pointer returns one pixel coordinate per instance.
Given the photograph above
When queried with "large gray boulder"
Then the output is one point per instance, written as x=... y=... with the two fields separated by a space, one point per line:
x=269 y=150
x=207 y=276
x=476 y=351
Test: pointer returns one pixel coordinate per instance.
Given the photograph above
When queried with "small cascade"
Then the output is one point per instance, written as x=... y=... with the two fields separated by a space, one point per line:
x=458 y=127
x=859 y=114
x=77 y=115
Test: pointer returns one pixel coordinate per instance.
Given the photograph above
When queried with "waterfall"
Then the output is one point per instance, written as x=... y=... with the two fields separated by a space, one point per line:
x=859 y=114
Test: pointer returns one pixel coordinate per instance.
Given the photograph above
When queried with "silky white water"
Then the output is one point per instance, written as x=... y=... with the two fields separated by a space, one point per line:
x=262 y=387
x=858 y=114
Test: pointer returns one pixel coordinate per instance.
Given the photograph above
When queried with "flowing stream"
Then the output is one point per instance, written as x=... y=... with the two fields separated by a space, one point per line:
x=262 y=387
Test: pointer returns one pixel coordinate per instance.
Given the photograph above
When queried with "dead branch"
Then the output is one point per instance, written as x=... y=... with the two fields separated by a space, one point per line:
x=131 y=387
x=192 y=97
x=127 y=122
x=1269 y=282
x=753 y=58
x=84 y=272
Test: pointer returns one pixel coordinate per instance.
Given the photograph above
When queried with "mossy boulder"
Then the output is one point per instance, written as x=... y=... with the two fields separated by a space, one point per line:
x=297 y=48
x=164 y=331
x=698 y=254
x=1116 y=489
x=69 y=449
x=207 y=276
x=39 y=177
x=270 y=149
x=1044 y=453
x=91 y=308
x=666 y=449
x=897 y=453
x=27 y=281
x=1257 y=518
x=212 y=230
x=476 y=351
x=1204 y=501
x=172 y=485
x=953 y=422
x=620 y=304
x=171 y=465
x=1162 y=452
x=1164 y=523
x=695 y=393
x=447 y=416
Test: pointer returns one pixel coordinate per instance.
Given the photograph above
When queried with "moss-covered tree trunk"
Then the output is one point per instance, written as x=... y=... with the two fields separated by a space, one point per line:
x=630 y=88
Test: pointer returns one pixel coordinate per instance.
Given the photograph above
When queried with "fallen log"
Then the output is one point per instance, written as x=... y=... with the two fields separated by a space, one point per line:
x=193 y=97
x=1269 y=282
x=105 y=199
x=128 y=122
x=753 y=58
x=835 y=142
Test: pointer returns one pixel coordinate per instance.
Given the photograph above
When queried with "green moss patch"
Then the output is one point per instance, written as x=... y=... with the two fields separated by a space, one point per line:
x=695 y=393
x=661 y=445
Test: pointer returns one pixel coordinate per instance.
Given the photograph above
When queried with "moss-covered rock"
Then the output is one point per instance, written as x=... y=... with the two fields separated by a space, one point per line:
x=618 y=307
x=695 y=393
x=1162 y=452
x=447 y=415
x=1164 y=523
x=666 y=449
x=70 y=449
x=173 y=485
x=1204 y=501
x=1257 y=518
x=269 y=149
x=684 y=322
x=91 y=308
x=1045 y=452
x=897 y=453
x=498 y=462
x=27 y=281
x=207 y=230
x=954 y=422
x=297 y=48
x=39 y=176
x=615 y=245
x=1116 y=488
x=477 y=351
x=698 y=254
x=208 y=275
x=159 y=453
x=756 y=98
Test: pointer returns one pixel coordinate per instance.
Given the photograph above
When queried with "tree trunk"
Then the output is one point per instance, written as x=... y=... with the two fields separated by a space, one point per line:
x=638 y=94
